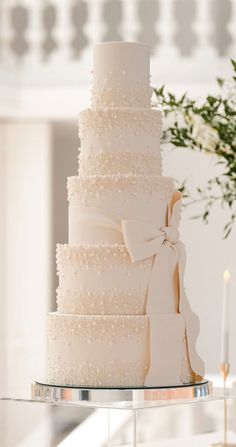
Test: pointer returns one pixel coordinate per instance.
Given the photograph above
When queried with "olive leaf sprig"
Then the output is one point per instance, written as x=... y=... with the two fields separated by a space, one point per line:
x=207 y=125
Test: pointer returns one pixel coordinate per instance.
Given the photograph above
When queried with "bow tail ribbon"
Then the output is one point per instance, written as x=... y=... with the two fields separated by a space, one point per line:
x=191 y=319
x=166 y=329
x=166 y=365
x=180 y=321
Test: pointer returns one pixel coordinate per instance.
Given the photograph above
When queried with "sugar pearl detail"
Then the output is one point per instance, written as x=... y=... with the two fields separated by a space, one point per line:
x=107 y=95
x=106 y=163
x=110 y=374
x=100 y=121
x=96 y=328
x=96 y=258
x=108 y=185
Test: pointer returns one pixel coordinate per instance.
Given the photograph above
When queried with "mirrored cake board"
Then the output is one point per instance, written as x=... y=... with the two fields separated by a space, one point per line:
x=126 y=398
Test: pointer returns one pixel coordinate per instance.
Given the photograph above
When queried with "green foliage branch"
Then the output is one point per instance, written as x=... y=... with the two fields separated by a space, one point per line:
x=207 y=125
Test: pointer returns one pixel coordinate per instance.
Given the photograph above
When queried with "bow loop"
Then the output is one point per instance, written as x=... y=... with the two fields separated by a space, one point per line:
x=142 y=240
x=171 y=234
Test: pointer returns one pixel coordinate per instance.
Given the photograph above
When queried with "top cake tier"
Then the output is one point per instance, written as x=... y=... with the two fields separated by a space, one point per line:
x=121 y=74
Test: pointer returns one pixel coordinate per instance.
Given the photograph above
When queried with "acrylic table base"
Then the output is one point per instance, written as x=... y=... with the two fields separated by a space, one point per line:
x=222 y=444
x=135 y=398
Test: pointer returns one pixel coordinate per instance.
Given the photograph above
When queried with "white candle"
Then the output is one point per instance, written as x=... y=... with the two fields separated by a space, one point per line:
x=225 y=319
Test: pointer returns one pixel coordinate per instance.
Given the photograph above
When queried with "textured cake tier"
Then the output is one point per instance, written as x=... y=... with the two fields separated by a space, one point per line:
x=114 y=162
x=113 y=350
x=97 y=350
x=87 y=301
x=133 y=132
x=104 y=273
x=121 y=75
x=117 y=96
x=103 y=280
x=127 y=196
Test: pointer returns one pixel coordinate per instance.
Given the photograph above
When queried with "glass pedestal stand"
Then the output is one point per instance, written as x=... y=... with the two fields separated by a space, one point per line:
x=120 y=399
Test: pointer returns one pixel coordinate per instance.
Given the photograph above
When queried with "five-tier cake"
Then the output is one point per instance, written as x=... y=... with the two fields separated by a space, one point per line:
x=123 y=319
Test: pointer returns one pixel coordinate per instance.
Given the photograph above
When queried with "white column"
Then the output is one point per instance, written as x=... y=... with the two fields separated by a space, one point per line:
x=25 y=283
x=3 y=340
x=28 y=249
x=232 y=30
x=130 y=25
x=203 y=27
x=165 y=28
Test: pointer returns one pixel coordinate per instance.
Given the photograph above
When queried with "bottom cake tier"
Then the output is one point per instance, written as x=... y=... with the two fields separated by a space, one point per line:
x=113 y=351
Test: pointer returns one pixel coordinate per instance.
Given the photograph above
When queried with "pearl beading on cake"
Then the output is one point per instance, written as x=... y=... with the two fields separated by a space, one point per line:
x=105 y=302
x=138 y=121
x=96 y=257
x=105 y=163
x=107 y=329
x=88 y=373
x=116 y=96
x=105 y=185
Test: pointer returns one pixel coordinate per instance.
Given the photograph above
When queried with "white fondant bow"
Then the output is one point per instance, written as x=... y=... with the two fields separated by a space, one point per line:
x=143 y=241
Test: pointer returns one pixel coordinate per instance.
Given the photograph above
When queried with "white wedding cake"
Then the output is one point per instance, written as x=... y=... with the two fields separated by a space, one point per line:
x=123 y=319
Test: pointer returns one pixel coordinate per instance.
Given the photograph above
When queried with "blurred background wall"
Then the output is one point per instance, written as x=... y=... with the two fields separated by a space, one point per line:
x=45 y=63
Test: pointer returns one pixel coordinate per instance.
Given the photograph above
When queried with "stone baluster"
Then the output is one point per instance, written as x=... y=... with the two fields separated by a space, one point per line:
x=61 y=32
x=34 y=32
x=130 y=25
x=203 y=28
x=94 y=29
x=232 y=30
x=165 y=29
x=95 y=25
x=7 y=56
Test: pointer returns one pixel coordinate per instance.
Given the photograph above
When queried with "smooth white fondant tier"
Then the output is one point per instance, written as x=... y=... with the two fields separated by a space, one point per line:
x=134 y=130
x=121 y=75
x=92 y=350
x=127 y=196
x=102 y=279
x=114 y=162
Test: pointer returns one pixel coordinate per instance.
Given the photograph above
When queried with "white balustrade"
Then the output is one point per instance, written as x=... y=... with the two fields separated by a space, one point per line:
x=61 y=67
x=130 y=25
x=232 y=30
